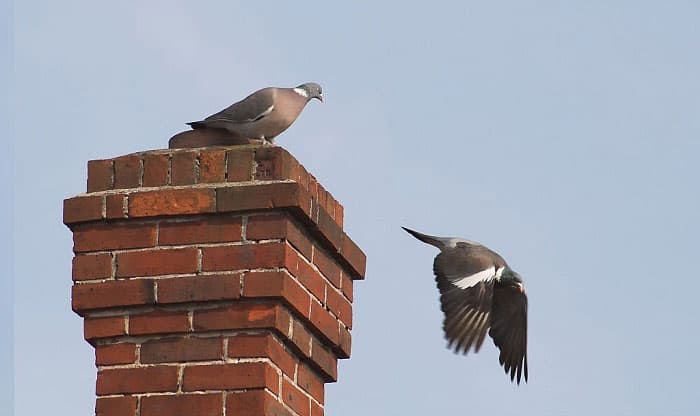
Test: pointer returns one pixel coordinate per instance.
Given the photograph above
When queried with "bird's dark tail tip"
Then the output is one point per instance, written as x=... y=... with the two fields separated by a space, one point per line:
x=433 y=241
x=195 y=124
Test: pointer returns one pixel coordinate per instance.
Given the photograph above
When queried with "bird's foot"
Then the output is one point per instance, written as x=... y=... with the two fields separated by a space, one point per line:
x=266 y=142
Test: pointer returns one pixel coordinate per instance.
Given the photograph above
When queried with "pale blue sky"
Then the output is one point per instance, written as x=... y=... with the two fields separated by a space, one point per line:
x=564 y=135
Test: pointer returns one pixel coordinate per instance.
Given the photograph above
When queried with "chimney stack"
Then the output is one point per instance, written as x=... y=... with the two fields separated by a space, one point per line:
x=212 y=281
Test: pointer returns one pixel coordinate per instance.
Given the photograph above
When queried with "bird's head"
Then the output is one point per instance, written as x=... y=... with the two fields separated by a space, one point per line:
x=312 y=90
x=513 y=279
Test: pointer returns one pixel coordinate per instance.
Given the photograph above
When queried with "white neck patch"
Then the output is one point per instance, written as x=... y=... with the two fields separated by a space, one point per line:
x=301 y=92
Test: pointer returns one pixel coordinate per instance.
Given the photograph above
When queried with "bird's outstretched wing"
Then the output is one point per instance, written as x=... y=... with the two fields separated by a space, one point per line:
x=466 y=283
x=509 y=329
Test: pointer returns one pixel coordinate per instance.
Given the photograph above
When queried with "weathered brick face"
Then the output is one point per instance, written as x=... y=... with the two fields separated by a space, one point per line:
x=213 y=281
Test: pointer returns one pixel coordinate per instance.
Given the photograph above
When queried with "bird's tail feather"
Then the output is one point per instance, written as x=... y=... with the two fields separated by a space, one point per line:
x=438 y=242
x=196 y=124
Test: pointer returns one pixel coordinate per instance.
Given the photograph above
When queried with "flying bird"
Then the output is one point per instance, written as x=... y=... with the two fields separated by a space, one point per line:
x=479 y=292
x=263 y=114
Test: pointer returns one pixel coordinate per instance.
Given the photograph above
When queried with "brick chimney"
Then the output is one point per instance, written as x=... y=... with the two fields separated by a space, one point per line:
x=212 y=281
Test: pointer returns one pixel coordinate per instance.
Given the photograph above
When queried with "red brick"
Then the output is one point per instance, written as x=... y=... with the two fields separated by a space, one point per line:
x=323 y=199
x=339 y=213
x=325 y=361
x=346 y=286
x=230 y=376
x=262 y=346
x=182 y=349
x=345 y=343
x=155 y=169
x=157 y=262
x=301 y=338
x=92 y=266
x=106 y=327
x=199 y=288
x=277 y=162
x=112 y=354
x=340 y=306
x=116 y=406
x=308 y=380
x=278 y=285
x=328 y=266
x=328 y=227
x=183 y=168
x=81 y=209
x=325 y=323
x=116 y=206
x=127 y=172
x=239 y=165
x=330 y=205
x=316 y=409
x=159 y=322
x=100 y=175
x=303 y=178
x=265 y=227
x=212 y=166
x=137 y=380
x=312 y=280
x=313 y=187
x=354 y=256
x=171 y=202
x=242 y=315
x=209 y=230
x=95 y=237
x=262 y=196
x=211 y=404
x=254 y=403
x=238 y=257
x=88 y=296
x=293 y=397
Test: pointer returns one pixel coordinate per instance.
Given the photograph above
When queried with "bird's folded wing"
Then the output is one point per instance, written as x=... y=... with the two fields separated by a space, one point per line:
x=466 y=287
x=252 y=108
x=509 y=329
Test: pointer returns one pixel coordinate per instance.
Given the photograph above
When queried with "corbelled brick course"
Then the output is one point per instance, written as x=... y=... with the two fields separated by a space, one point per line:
x=213 y=281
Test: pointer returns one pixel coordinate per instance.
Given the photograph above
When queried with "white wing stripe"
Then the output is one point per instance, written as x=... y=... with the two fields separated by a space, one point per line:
x=469 y=281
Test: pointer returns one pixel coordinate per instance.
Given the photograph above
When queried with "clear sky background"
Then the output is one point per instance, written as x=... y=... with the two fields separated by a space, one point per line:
x=564 y=135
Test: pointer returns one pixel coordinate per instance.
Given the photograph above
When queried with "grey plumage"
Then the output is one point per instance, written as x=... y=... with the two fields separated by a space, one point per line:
x=480 y=294
x=263 y=114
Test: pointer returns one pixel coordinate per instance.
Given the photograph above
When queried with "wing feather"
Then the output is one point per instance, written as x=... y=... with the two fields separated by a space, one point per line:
x=509 y=329
x=466 y=306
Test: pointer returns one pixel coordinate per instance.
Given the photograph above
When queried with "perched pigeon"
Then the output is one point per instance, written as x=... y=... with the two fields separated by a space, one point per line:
x=477 y=291
x=263 y=114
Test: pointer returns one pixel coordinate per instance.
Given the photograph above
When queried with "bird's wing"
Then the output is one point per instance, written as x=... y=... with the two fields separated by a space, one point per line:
x=509 y=329
x=252 y=108
x=466 y=281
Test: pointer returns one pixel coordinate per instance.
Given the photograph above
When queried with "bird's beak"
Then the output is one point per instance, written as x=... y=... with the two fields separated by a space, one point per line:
x=320 y=98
